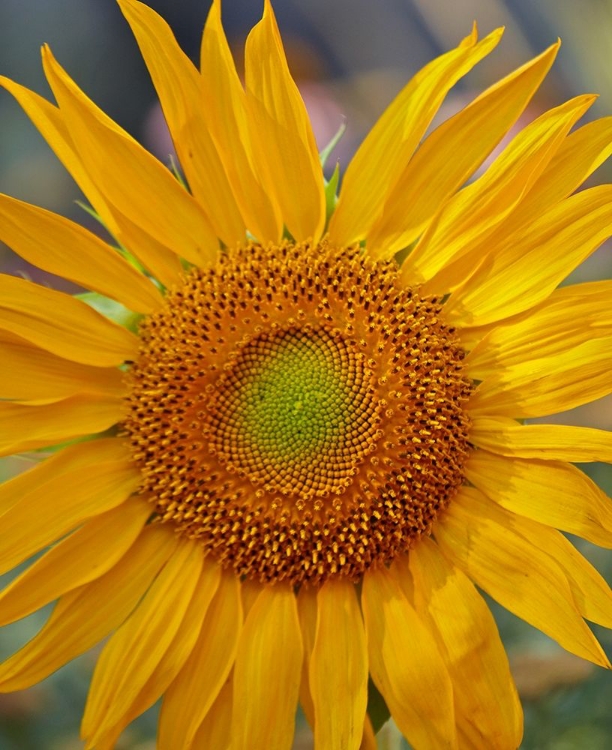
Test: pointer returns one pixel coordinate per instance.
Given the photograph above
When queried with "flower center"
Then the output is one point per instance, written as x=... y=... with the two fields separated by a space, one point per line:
x=299 y=412
x=295 y=412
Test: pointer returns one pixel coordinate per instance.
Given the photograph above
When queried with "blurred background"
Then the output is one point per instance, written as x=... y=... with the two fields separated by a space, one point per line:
x=349 y=57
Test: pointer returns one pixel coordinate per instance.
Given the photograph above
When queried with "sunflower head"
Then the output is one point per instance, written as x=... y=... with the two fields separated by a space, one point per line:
x=285 y=435
x=299 y=412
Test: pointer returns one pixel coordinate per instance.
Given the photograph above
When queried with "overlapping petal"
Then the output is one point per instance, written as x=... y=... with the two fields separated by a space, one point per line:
x=49 y=241
x=571 y=316
x=161 y=261
x=228 y=120
x=450 y=155
x=339 y=668
x=172 y=659
x=267 y=672
x=529 y=264
x=592 y=594
x=582 y=152
x=82 y=557
x=549 y=385
x=486 y=545
x=131 y=656
x=487 y=707
x=33 y=375
x=284 y=147
x=84 y=616
x=371 y=174
x=551 y=492
x=81 y=481
x=215 y=732
x=462 y=230
x=197 y=686
x=178 y=86
x=148 y=194
x=25 y=427
x=76 y=331
x=406 y=665
x=541 y=441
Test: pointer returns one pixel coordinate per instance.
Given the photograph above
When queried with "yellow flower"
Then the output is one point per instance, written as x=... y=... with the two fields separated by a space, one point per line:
x=301 y=455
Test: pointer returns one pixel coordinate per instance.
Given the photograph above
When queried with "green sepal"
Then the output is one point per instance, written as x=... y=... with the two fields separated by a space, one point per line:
x=324 y=154
x=331 y=194
x=115 y=311
x=174 y=168
x=378 y=710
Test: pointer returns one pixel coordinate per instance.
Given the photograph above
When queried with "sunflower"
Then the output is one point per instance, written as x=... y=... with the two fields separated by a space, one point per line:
x=277 y=460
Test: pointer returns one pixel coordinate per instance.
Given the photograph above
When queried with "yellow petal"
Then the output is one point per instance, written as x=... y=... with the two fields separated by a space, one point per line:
x=406 y=665
x=527 y=267
x=83 y=480
x=131 y=655
x=549 y=385
x=446 y=159
x=215 y=732
x=339 y=668
x=24 y=427
x=550 y=492
x=544 y=441
x=592 y=595
x=63 y=324
x=146 y=192
x=61 y=247
x=249 y=591
x=193 y=692
x=32 y=374
x=84 y=616
x=226 y=111
x=580 y=154
x=571 y=316
x=577 y=157
x=284 y=146
x=163 y=263
x=385 y=153
x=307 y=611
x=485 y=544
x=462 y=230
x=267 y=672
x=82 y=557
x=487 y=707
x=175 y=655
x=178 y=86
x=368 y=741
x=71 y=459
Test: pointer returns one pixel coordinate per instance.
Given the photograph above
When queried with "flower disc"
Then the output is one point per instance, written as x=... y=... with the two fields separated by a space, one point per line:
x=299 y=412
x=295 y=412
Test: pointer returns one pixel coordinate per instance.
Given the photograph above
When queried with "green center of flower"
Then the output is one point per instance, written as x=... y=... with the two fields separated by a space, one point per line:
x=294 y=411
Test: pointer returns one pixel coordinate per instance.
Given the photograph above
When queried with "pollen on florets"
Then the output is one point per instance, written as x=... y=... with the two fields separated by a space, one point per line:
x=299 y=412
